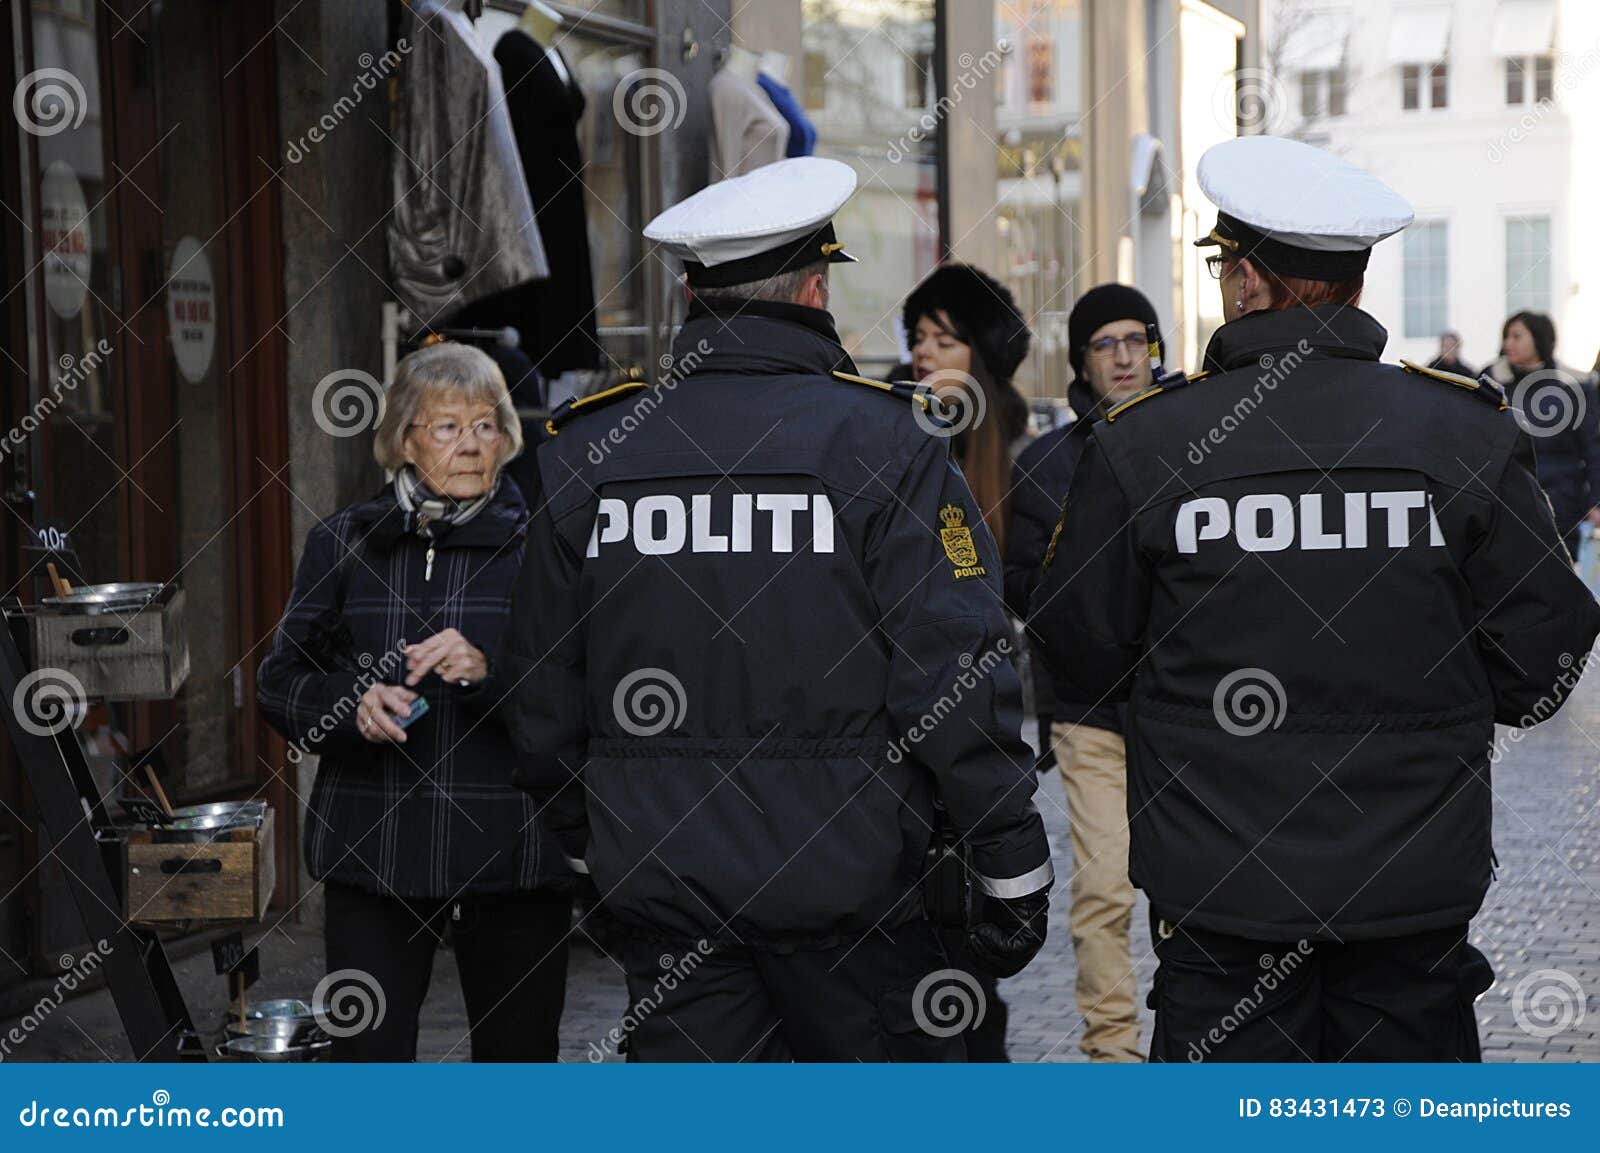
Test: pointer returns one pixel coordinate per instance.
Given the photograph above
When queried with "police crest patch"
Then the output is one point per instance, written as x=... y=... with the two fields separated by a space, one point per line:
x=959 y=547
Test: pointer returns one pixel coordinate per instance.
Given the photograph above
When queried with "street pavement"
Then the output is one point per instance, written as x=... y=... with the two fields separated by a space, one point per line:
x=1540 y=928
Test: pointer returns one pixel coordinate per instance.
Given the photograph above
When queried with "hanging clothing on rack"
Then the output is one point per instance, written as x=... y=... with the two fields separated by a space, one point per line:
x=463 y=225
x=802 y=135
x=556 y=317
x=748 y=131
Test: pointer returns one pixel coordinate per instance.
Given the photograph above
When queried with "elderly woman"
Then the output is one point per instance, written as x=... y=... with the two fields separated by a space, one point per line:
x=384 y=666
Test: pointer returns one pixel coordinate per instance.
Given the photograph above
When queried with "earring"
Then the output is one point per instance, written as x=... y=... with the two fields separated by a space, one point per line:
x=1238 y=304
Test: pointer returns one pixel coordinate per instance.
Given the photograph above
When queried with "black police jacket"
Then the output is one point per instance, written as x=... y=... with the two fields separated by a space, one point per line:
x=1321 y=580
x=761 y=623
x=1039 y=481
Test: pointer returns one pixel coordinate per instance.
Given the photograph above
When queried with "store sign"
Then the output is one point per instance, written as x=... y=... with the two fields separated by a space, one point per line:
x=191 y=309
x=64 y=239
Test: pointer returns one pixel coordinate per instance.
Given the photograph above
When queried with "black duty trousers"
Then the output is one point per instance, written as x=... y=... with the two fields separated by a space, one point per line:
x=511 y=950
x=890 y=996
x=1224 y=998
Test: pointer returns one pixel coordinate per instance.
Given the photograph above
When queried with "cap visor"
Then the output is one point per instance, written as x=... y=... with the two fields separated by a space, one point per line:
x=840 y=256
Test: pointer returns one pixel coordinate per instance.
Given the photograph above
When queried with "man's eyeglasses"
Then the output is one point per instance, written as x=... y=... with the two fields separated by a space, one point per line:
x=450 y=431
x=1137 y=344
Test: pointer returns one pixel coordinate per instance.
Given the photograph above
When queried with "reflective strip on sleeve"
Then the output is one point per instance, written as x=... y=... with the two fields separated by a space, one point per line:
x=1010 y=888
x=581 y=867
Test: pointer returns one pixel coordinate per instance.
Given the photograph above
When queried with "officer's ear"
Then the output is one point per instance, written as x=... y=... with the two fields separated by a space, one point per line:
x=814 y=290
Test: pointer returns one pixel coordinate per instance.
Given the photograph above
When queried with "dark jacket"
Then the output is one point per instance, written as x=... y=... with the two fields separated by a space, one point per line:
x=437 y=816
x=556 y=316
x=1562 y=413
x=1451 y=364
x=1039 y=482
x=765 y=627
x=1320 y=580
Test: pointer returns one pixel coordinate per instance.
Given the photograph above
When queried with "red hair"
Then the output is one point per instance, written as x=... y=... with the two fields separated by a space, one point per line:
x=1297 y=291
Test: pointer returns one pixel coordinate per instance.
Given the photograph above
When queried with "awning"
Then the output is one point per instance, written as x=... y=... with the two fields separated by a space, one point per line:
x=1419 y=33
x=1317 y=38
x=1524 y=27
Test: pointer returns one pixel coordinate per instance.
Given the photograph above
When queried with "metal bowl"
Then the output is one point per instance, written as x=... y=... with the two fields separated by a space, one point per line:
x=286 y=1018
x=274 y=1049
x=106 y=597
x=219 y=821
x=220 y=809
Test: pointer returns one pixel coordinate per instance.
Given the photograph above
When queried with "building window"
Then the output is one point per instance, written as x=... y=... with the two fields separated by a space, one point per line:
x=919 y=79
x=1529 y=79
x=1322 y=93
x=1527 y=263
x=1427 y=277
x=1425 y=85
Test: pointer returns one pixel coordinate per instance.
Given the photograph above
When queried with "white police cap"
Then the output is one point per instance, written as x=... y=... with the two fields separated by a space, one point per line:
x=1295 y=209
x=772 y=220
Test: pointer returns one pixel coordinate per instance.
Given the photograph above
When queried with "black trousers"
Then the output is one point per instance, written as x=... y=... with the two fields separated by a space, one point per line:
x=1225 y=998
x=891 y=996
x=511 y=950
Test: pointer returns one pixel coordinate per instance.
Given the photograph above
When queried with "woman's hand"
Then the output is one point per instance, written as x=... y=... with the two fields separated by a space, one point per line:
x=450 y=655
x=375 y=715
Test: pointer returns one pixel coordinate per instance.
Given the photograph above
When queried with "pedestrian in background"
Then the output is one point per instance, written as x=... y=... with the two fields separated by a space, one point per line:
x=967 y=336
x=414 y=828
x=1449 y=358
x=1559 y=408
x=1319 y=581
x=1111 y=357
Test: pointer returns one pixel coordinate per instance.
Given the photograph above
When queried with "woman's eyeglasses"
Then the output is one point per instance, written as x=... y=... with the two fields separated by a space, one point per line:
x=1137 y=343
x=450 y=431
x=1215 y=264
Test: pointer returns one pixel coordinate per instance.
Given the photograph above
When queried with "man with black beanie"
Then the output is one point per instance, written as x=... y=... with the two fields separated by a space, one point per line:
x=1111 y=361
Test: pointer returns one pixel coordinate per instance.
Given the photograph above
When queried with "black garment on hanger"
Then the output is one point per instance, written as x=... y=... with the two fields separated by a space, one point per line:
x=556 y=317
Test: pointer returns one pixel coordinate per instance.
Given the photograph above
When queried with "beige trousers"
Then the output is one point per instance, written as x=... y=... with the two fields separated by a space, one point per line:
x=1094 y=765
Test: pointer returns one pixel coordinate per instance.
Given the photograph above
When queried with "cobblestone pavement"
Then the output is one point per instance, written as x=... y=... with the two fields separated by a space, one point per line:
x=1540 y=927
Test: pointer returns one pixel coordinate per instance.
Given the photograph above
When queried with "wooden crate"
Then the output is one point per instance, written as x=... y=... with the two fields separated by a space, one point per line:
x=118 y=656
x=226 y=880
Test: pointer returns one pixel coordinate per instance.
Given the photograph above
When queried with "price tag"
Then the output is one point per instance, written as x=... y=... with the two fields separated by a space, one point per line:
x=234 y=961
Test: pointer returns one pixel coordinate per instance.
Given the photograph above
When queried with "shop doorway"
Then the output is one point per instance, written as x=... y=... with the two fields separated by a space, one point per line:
x=147 y=294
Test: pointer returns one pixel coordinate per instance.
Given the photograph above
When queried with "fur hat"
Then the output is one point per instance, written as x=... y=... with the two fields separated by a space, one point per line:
x=982 y=310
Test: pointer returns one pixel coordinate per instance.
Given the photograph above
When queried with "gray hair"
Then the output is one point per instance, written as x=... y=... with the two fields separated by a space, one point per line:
x=782 y=288
x=441 y=370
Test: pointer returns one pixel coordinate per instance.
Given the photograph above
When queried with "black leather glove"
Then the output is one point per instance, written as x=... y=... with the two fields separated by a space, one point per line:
x=1009 y=934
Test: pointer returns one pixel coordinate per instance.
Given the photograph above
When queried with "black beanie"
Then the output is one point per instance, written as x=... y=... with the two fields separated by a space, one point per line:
x=1099 y=307
x=983 y=311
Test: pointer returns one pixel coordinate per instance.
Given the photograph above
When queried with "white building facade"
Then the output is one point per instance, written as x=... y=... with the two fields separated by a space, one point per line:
x=1486 y=115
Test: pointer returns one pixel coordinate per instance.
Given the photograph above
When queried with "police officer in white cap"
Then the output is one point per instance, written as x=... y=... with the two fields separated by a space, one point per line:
x=760 y=647
x=1320 y=580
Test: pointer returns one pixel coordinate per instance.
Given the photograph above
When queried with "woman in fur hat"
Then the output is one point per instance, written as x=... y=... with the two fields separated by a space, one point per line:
x=967 y=337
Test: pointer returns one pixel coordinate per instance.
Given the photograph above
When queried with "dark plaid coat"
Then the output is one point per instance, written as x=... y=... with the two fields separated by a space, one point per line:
x=437 y=816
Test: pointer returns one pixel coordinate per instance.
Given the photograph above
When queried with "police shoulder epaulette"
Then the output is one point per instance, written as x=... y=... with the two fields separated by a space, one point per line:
x=579 y=405
x=1485 y=388
x=1167 y=382
x=906 y=389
